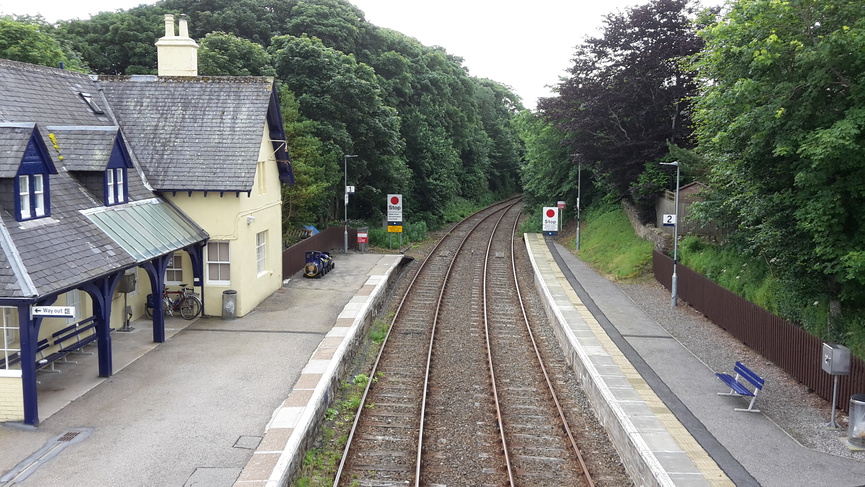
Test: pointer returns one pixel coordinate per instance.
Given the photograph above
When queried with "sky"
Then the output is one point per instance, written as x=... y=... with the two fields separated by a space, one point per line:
x=526 y=45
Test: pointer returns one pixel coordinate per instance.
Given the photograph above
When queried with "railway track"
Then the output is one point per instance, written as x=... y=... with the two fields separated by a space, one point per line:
x=458 y=395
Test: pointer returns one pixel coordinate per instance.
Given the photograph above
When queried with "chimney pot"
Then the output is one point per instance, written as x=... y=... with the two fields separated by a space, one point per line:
x=169 y=25
x=184 y=26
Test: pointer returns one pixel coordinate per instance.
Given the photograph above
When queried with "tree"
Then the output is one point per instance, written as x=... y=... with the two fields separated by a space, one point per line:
x=222 y=54
x=782 y=115
x=343 y=98
x=32 y=40
x=627 y=94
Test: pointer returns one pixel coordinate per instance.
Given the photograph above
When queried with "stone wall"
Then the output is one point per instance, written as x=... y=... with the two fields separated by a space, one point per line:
x=662 y=241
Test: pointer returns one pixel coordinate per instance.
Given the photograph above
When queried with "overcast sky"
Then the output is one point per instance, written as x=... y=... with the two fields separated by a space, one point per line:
x=526 y=45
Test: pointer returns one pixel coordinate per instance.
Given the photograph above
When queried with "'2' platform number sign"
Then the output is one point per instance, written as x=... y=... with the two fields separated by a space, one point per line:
x=669 y=220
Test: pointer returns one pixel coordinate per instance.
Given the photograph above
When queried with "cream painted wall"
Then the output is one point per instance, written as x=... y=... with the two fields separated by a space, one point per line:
x=11 y=399
x=237 y=220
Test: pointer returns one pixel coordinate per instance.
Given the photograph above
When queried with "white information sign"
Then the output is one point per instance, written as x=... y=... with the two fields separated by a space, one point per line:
x=349 y=189
x=550 y=218
x=669 y=219
x=394 y=209
x=53 y=311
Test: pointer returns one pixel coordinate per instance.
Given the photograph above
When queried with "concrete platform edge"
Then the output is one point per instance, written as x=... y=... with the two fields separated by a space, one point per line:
x=293 y=425
x=616 y=391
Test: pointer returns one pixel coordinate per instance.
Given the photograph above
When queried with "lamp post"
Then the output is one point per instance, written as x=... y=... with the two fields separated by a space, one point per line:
x=673 y=286
x=345 y=159
x=579 y=189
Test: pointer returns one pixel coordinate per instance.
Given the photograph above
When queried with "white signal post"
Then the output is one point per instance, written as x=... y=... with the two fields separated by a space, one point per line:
x=675 y=223
x=345 y=159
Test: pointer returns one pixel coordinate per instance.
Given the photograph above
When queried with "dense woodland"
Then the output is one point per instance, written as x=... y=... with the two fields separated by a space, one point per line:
x=762 y=101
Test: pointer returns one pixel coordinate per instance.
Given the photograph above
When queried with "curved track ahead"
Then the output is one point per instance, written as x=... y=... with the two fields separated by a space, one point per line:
x=459 y=396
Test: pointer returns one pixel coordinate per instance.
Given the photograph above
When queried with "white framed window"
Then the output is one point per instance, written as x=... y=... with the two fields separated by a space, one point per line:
x=38 y=195
x=120 y=184
x=10 y=341
x=115 y=186
x=174 y=271
x=218 y=263
x=24 y=197
x=73 y=298
x=109 y=187
x=32 y=196
x=261 y=251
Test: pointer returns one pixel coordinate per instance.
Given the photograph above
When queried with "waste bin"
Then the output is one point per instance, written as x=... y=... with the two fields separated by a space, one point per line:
x=229 y=304
x=856 y=428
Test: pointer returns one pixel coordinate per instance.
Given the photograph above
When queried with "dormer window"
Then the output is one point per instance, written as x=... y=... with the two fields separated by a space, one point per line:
x=32 y=198
x=115 y=186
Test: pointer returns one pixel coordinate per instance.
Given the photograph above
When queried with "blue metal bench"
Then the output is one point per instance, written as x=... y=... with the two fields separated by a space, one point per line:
x=70 y=339
x=44 y=358
x=737 y=388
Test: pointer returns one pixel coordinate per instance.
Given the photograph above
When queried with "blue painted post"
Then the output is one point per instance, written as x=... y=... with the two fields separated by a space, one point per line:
x=29 y=333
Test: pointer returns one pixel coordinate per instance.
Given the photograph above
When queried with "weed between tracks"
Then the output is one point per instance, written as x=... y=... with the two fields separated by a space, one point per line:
x=321 y=462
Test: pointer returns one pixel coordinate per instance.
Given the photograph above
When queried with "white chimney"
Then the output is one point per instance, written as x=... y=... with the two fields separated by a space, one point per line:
x=176 y=55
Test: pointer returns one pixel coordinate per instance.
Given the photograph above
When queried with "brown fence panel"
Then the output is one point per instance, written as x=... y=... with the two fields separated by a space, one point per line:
x=329 y=240
x=785 y=344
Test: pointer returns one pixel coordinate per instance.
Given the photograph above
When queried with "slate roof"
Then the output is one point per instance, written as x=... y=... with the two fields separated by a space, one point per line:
x=54 y=254
x=193 y=134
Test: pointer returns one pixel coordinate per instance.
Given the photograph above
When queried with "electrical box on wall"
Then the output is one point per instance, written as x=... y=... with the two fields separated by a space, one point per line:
x=127 y=284
x=836 y=359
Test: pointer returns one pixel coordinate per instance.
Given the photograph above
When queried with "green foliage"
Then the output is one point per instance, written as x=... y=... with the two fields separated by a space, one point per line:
x=650 y=184
x=222 y=54
x=419 y=124
x=781 y=117
x=608 y=244
x=32 y=40
x=627 y=96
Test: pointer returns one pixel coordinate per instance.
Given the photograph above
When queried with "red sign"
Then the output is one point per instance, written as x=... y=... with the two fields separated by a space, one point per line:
x=362 y=238
x=551 y=213
x=561 y=204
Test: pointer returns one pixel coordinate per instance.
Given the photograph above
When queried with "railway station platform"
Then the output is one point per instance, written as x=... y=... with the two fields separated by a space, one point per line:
x=219 y=403
x=659 y=401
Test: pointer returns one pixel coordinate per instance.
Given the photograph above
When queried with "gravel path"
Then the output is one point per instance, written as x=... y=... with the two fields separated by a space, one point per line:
x=788 y=403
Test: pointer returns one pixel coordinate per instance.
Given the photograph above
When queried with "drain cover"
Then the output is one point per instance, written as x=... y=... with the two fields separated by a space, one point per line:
x=51 y=449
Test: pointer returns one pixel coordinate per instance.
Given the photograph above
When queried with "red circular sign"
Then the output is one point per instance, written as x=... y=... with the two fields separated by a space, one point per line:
x=394 y=200
x=551 y=213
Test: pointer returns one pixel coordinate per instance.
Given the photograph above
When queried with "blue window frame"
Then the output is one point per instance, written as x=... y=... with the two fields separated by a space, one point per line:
x=32 y=189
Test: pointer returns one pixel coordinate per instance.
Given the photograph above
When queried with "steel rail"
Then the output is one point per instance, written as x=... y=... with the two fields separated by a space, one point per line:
x=490 y=354
x=357 y=416
x=586 y=474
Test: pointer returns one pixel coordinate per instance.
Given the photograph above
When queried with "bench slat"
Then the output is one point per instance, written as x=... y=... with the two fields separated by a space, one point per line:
x=738 y=388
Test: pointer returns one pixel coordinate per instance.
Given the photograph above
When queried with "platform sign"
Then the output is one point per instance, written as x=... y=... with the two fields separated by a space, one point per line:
x=550 y=218
x=561 y=205
x=394 y=209
x=349 y=189
x=362 y=237
x=669 y=220
x=53 y=311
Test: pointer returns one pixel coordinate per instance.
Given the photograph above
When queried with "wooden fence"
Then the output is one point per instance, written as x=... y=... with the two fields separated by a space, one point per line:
x=787 y=345
x=331 y=239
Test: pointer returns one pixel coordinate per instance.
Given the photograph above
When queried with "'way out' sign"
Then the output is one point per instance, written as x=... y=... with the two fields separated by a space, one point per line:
x=550 y=218
x=53 y=311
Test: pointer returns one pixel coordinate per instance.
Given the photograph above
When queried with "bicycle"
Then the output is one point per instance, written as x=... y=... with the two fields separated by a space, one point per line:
x=187 y=303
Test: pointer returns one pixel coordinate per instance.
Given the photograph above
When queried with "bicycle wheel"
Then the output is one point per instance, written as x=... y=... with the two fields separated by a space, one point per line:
x=190 y=307
x=148 y=310
x=167 y=307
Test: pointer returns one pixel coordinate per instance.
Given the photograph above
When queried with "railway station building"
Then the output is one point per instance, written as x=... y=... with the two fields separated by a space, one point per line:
x=115 y=188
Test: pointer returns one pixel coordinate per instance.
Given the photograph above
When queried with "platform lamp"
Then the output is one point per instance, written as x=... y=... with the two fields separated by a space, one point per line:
x=345 y=159
x=673 y=286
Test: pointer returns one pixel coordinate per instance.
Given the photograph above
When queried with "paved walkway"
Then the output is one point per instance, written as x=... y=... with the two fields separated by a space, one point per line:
x=748 y=447
x=194 y=409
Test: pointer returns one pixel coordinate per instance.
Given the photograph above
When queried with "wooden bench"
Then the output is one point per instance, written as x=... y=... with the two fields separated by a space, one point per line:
x=737 y=388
